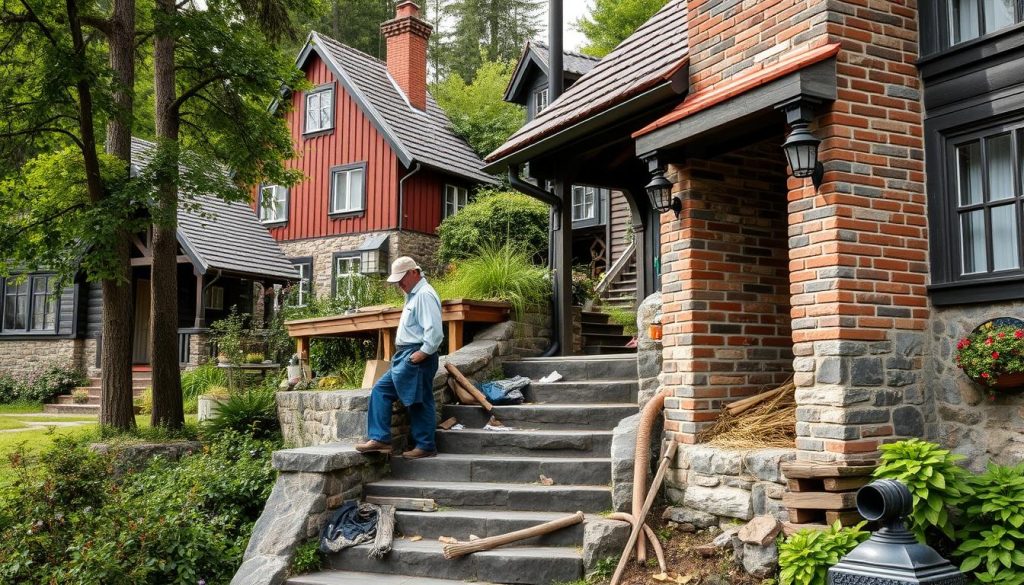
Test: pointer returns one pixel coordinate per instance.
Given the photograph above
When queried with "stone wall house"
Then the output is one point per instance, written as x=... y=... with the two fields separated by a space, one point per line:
x=382 y=165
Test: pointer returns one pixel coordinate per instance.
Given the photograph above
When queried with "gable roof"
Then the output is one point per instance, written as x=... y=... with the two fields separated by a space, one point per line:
x=414 y=135
x=536 y=54
x=649 y=58
x=221 y=235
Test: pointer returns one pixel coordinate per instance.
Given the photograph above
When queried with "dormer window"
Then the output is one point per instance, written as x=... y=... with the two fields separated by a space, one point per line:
x=320 y=110
x=540 y=101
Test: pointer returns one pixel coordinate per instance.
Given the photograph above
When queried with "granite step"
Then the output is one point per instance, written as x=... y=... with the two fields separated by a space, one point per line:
x=504 y=496
x=587 y=392
x=82 y=409
x=526 y=443
x=574 y=368
x=460 y=524
x=528 y=565
x=504 y=469
x=594 y=317
x=545 y=416
x=351 y=578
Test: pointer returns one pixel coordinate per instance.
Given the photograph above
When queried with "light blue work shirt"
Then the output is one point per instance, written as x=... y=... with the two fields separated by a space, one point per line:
x=421 y=319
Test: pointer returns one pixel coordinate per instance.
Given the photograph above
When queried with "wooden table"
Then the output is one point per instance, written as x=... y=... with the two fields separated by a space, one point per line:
x=456 y=313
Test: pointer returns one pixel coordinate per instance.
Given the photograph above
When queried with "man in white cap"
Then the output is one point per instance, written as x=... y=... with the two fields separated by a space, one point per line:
x=411 y=376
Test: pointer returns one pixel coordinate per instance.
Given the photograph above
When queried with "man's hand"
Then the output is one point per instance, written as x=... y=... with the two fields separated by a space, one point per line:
x=418 y=357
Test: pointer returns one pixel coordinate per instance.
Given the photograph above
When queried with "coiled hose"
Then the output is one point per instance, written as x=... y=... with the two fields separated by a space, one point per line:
x=642 y=461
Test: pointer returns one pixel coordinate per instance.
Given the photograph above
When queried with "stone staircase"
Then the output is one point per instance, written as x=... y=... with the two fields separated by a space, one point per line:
x=66 y=402
x=601 y=337
x=487 y=483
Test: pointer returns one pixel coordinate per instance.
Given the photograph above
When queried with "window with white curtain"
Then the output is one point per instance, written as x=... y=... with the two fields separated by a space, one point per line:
x=970 y=19
x=273 y=206
x=346 y=271
x=988 y=170
x=347 y=185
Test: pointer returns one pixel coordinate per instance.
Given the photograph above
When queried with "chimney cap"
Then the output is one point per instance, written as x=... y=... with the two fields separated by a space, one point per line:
x=407 y=8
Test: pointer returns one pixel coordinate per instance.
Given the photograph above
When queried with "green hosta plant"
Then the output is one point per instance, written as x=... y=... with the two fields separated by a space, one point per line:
x=933 y=477
x=992 y=544
x=806 y=556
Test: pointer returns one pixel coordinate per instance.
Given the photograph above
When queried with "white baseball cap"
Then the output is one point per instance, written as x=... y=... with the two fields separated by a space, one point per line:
x=400 y=266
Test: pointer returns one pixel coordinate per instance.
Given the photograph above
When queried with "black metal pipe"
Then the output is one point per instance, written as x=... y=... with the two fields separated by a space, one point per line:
x=556 y=77
x=530 y=189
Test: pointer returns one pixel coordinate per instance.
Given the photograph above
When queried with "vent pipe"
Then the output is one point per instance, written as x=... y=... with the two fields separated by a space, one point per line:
x=556 y=74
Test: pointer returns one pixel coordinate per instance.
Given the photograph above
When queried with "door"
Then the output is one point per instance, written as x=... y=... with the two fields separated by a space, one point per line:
x=140 y=341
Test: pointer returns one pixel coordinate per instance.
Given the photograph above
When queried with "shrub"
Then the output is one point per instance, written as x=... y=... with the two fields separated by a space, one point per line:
x=330 y=383
x=47 y=385
x=329 y=356
x=11 y=389
x=252 y=413
x=933 y=477
x=501 y=273
x=992 y=544
x=582 y=286
x=253 y=358
x=806 y=556
x=307 y=558
x=81 y=396
x=495 y=218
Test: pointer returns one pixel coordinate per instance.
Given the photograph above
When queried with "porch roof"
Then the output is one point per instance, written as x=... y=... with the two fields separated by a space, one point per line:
x=650 y=58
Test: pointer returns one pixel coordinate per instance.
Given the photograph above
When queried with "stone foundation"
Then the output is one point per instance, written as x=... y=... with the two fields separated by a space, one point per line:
x=717 y=485
x=649 y=351
x=22 y=357
x=965 y=419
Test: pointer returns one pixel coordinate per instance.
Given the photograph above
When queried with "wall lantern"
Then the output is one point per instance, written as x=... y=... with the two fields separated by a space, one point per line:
x=659 y=190
x=801 y=146
x=892 y=556
x=373 y=254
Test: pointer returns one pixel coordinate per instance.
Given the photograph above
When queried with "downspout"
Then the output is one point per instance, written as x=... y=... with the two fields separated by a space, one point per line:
x=556 y=75
x=401 y=194
x=547 y=197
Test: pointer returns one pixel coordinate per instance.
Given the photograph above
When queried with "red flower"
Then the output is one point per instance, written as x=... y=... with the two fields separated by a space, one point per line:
x=988 y=341
x=1018 y=333
x=985 y=375
x=995 y=355
x=1001 y=335
x=965 y=343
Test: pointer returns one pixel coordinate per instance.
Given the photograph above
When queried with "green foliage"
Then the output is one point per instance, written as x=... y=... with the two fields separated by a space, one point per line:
x=69 y=520
x=477 y=110
x=10 y=388
x=253 y=358
x=355 y=23
x=991 y=352
x=623 y=317
x=486 y=31
x=363 y=292
x=583 y=286
x=307 y=558
x=611 y=21
x=335 y=356
x=498 y=273
x=253 y=412
x=806 y=556
x=603 y=570
x=992 y=544
x=41 y=385
x=144 y=403
x=494 y=218
x=933 y=477
x=195 y=382
x=232 y=335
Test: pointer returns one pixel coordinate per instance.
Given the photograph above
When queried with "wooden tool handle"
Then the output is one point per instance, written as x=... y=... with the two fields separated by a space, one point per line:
x=454 y=551
x=468 y=386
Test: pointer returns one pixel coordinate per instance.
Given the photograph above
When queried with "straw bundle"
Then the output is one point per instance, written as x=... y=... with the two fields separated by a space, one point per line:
x=768 y=420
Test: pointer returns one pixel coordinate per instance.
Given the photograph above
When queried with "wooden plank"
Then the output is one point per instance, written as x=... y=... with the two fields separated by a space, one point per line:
x=412 y=504
x=811 y=470
x=791 y=528
x=844 y=484
x=455 y=330
x=806 y=516
x=846 y=518
x=804 y=485
x=820 y=500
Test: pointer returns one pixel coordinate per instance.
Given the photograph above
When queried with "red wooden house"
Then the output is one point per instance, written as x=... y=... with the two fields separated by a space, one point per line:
x=382 y=165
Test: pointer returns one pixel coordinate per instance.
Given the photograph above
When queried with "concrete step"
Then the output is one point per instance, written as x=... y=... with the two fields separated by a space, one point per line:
x=461 y=524
x=504 y=469
x=574 y=368
x=526 y=443
x=351 y=578
x=501 y=496
x=545 y=416
x=530 y=565
x=69 y=399
x=605 y=339
x=83 y=409
x=608 y=350
x=589 y=392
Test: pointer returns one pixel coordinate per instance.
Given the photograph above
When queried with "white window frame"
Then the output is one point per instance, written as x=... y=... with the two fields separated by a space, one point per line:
x=277 y=209
x=353 y=202
x=303 y=293
x=540 y=101
x=353 y=265
x=584 y=202
x=455 y=198
x=318 y=114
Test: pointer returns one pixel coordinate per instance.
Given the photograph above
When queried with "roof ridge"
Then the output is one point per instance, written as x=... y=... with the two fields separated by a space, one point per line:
x=349 y=47
x=567 y=52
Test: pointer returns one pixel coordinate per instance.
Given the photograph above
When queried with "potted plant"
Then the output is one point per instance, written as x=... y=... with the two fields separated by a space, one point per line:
x=209 y=403
x=993 y=355
x=80 y=396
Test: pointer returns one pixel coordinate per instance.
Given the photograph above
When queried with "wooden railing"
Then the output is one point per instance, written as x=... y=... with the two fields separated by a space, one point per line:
x=613 y=273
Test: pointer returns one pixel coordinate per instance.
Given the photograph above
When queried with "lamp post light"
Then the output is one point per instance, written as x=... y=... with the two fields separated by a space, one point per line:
x=659 y=190
x=801 y=146
x=891 y=556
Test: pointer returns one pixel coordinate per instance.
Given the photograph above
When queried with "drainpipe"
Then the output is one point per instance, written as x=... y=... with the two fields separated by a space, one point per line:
x=547 y=197
x=556 y=74
x=401 y=195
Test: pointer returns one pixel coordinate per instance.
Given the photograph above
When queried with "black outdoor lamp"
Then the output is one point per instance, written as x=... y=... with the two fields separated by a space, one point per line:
x=373 y=255
x=891 y=556
x=659 y=190
x=801 y=146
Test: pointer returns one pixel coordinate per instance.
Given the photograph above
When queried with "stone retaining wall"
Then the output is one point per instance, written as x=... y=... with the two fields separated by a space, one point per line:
x=22 y=357
x=717 y=485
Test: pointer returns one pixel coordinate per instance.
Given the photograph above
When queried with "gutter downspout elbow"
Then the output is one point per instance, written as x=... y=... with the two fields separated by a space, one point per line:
x=401 y=194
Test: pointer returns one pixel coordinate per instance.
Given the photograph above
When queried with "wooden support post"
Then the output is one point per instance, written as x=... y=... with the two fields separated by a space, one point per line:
x=388 y=339
x=455 y=332
x=561 y=250
x=302 y=348
x=200 y=305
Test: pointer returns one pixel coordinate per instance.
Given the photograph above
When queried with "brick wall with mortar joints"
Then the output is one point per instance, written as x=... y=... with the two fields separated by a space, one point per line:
x=725 y=288
x=859 y=260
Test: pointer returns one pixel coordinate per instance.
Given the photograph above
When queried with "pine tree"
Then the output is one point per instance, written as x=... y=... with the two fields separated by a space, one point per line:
x=489 y=30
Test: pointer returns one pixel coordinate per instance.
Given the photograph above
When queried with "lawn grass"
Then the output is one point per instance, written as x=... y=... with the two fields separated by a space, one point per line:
x=8 y=423
x=21 y=407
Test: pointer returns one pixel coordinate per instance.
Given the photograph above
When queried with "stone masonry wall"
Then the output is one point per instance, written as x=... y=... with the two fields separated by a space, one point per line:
x=22 y=357
x=968 y=422
x=725 y=288
x=421 y=247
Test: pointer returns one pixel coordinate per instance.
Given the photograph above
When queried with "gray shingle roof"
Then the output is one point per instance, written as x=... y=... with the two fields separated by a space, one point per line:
x=416 y=136
x=572 y=62
x=221 y=235
x=648 y=57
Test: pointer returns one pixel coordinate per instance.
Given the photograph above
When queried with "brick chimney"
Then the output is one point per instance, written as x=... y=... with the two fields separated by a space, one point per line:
x=407 y=36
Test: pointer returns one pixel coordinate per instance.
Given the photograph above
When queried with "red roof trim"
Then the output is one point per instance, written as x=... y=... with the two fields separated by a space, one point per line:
x=742 y=83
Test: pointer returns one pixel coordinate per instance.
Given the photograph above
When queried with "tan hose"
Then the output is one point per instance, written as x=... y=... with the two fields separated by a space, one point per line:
x=642 y=459
x=454 y=551
x=655 y=543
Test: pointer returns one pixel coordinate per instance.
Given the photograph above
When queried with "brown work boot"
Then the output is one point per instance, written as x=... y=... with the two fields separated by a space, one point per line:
x=418 y=453
x=372 y=446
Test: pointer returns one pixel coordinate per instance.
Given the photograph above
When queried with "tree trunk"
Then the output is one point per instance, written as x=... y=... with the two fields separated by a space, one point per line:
x=167 y=400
